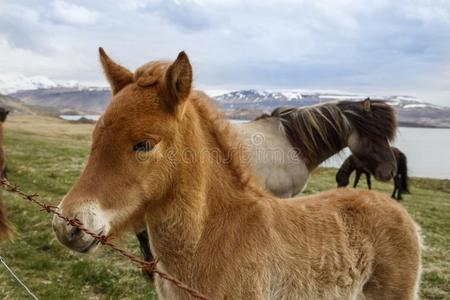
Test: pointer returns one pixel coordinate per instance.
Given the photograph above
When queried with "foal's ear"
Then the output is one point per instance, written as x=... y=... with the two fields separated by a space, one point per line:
x=366 y=105
x=178 y=80
x=117 y=75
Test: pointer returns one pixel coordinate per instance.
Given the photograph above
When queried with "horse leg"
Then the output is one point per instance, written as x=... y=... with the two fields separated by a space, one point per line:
x=357 y=176
x=394 y=192
x=386 y=283
x=144 y=245
x=396 y=267
x=399 y=189
x=395 y=187
x=369 y=183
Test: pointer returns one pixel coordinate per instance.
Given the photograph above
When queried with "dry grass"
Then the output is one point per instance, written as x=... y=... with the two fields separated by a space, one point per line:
x=49 y=127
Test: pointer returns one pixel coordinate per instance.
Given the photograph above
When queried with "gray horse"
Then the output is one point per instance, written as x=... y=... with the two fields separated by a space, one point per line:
x=288 y=144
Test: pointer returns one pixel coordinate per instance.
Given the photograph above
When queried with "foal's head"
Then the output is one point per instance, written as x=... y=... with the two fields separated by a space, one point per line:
x=374 y=127
x=128 y=169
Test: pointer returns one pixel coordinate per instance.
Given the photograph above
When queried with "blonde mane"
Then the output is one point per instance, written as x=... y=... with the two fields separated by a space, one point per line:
x=237 y=157
x=229 y=141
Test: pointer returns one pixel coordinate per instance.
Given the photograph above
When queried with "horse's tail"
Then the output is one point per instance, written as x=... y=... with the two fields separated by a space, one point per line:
x=403 y=171
x=6 y=229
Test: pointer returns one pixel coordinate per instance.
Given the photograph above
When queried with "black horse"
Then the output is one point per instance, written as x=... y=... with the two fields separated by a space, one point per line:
x=353 y=164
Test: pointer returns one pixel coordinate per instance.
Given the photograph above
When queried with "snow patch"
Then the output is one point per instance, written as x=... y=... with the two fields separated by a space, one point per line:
x=342 y=97
x=216 y=92
x=292 y=95
x=18 y=82
x=415 y=106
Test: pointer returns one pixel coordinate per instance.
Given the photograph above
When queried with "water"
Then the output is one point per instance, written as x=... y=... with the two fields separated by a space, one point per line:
x=427 y=149
x=96 y=117
x=77 y=117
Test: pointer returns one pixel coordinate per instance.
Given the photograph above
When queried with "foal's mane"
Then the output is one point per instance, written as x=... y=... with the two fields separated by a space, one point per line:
x=228 y=140
x=319 y=131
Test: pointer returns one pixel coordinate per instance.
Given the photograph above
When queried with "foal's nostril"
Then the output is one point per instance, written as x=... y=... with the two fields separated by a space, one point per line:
x=74 y=234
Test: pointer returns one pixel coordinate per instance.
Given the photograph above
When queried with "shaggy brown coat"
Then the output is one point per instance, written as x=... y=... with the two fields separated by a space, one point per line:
x=210 y=223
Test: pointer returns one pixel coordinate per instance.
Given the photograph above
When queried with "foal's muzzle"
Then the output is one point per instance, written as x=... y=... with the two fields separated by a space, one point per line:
x=74 y=238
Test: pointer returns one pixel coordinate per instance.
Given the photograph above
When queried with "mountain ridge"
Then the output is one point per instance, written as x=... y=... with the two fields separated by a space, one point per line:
x=10 y=84
x=239 y=104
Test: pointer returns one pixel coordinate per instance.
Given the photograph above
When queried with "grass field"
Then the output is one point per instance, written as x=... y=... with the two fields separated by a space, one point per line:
x=46 y=155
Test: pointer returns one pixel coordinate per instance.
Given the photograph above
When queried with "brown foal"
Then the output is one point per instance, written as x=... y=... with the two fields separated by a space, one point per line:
x=163 y=154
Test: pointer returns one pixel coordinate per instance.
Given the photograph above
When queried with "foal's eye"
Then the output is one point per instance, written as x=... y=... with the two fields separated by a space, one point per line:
x=144 y=146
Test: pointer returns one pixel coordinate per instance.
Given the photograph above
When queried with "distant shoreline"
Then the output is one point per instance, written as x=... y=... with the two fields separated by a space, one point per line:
x=93 y=118
x=443 y=179
x=418 y=125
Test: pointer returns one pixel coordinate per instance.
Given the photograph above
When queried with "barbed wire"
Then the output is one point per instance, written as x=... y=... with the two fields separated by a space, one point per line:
x=18 y=279
x=103 y=239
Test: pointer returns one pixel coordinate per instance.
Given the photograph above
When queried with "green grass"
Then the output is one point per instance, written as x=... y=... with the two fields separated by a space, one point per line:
x=49 y=166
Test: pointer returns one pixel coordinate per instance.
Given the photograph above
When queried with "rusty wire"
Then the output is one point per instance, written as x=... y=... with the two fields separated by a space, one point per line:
x=103 y=239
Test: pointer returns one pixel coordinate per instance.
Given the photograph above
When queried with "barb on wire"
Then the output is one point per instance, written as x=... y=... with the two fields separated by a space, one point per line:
x=103 y=239
x=18 y=279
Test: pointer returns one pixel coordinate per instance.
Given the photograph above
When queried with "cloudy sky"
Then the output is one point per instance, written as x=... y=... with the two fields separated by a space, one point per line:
x=370 y=46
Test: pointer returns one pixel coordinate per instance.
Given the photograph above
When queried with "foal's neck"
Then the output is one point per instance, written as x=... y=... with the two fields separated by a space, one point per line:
x=209 y=185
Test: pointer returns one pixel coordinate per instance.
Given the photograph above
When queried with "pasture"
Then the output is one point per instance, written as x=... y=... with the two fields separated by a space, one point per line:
x=45 y=155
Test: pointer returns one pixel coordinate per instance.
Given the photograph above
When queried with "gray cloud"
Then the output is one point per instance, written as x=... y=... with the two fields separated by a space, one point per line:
x=187 y=16
x=384 y=46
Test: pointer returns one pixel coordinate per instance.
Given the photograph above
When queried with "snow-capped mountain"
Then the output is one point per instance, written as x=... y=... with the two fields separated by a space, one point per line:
x=74 y=98
x=14 y=83
x=67 y=100
x=266 y=99
x=251 y=103
x=274 y=98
